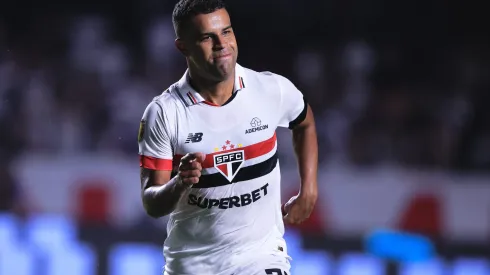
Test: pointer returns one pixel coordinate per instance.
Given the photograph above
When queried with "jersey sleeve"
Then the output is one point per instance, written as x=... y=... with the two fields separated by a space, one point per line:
x=154 y=139
x=293 y=105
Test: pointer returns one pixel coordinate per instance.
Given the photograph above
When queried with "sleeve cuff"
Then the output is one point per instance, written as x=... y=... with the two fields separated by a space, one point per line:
x=155 y=163
x=301 y=117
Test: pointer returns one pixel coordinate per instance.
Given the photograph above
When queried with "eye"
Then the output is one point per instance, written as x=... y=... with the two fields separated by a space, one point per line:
x=204 y=38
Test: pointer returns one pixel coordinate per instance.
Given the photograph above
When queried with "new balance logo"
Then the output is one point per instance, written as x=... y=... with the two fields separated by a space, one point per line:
x=194 y=137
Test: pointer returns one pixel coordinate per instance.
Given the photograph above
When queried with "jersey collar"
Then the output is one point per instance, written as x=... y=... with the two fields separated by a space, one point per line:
x=192 y=97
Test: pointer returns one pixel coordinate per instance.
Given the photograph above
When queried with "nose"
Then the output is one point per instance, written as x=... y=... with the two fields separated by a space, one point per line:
x=219 y=43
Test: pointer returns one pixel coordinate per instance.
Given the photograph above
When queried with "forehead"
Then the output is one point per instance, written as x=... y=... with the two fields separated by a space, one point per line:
x=210 y=22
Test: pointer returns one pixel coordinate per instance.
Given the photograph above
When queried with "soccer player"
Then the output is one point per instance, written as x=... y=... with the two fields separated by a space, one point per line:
x=208 y=154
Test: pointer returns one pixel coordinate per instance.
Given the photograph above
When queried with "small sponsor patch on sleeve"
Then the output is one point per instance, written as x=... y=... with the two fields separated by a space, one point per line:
x=141 y=130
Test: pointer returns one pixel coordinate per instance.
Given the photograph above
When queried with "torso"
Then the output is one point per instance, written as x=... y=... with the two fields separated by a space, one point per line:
x=235 y=207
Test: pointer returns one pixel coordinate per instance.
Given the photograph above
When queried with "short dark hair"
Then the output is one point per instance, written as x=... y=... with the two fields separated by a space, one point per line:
x=184 y=10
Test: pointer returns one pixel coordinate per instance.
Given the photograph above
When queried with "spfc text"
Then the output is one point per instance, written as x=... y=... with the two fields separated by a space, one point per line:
x=228 y=164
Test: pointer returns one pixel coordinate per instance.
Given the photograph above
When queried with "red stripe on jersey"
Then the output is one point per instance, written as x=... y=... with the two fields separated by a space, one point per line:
x=155 y=163
x=190 y=98
x=251 y=151
x=211 y=103
x=242 y=84
x=193 y=99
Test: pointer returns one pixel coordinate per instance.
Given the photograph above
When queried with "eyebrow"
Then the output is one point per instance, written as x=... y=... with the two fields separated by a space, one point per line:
x=211 y=33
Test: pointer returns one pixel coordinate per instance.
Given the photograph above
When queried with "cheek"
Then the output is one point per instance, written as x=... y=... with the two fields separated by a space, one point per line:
x=232 y=39
x=204 y=50
x=198 y=53
x=233 y=44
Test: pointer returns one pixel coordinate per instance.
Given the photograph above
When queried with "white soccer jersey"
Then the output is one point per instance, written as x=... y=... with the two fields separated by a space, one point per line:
x=233 y=215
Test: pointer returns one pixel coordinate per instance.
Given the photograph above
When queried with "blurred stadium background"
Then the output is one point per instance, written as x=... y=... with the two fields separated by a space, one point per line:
x=401 y=92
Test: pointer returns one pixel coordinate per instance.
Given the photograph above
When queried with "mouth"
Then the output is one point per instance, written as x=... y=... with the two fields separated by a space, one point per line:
x=223 y=56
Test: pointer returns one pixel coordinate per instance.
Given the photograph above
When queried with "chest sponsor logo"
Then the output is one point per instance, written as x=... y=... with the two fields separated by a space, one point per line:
x=228 y=164
x=229 y=202
x=256 y=124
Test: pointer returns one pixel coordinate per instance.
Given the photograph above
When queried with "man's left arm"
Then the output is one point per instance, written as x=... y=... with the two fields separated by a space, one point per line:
x=296 y=114
x=305 y=146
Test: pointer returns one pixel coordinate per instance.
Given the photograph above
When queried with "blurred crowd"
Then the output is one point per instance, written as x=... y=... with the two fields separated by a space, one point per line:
x=79 y=82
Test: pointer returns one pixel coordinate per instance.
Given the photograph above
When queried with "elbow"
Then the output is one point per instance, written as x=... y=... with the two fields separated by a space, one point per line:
x=154 y=213
x=153 y=210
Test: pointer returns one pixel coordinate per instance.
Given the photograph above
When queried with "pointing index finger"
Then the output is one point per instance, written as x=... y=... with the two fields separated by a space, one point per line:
x=199 y=157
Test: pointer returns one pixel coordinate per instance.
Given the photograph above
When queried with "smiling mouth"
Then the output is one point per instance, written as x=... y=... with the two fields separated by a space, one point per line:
x=223 y=56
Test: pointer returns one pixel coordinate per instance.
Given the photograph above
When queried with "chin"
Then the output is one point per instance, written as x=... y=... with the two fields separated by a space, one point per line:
x=226 y=70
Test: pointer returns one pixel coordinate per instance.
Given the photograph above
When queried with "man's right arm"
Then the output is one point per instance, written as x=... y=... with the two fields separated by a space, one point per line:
x=156 y=139
x=160 y=193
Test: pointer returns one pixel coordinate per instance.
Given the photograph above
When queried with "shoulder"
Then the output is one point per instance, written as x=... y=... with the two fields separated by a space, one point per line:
x=268 y=79
x=164 y=105
x=280 y=80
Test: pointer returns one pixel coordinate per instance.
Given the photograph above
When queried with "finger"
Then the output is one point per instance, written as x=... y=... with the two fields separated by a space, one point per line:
x=200 y=157
x=190 y=174
x=294 y=216
x=289 y=219
x=294 y=221
x=287 y=206
x=191 y=180
x=300 y=218
x=187 y=158
x=190 y=166
x=196 y=165
x=193 y=156
x=283 y=210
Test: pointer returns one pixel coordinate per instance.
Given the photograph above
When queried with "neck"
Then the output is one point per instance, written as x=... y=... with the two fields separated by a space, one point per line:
x=216 y=92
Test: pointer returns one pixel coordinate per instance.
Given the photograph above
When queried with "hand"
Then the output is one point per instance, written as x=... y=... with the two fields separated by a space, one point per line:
x=190 y=168
x=299 y=208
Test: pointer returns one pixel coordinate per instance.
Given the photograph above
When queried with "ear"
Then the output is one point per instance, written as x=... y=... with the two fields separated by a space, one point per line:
x=179 y=43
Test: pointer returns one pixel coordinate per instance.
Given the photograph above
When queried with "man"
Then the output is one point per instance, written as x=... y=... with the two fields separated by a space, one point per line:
x=208 y=155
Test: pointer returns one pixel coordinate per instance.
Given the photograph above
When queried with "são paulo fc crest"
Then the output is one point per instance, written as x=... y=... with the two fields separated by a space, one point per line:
x=228 y=164
x=229 y=160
